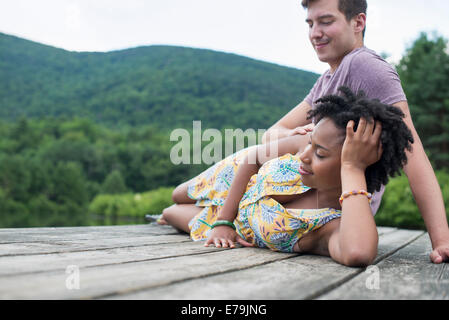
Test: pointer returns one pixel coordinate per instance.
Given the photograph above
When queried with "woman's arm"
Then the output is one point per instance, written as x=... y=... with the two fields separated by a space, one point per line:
x=257 y=156
x=354 y=243
x=357 y=234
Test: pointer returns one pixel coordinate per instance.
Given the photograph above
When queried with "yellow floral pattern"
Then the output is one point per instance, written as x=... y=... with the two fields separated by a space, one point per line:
x=261 y=220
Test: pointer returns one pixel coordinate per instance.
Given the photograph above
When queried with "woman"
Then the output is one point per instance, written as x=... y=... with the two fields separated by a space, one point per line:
x=312 y=196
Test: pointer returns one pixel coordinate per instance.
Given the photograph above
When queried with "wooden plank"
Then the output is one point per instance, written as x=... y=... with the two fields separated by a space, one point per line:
x=52 y=247
x=28 y=235
x=385 y=230
x=46 y=235
x=301 y=277
x=18 y=265
x=68 y=230
x=81 y=233
x=115 y=237
x=115 y=279
x=408 y=274
x=39 y=248
x=61 y=246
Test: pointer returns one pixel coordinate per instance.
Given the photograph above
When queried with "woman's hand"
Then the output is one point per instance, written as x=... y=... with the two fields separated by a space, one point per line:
x=224 y=236
x=363 y=147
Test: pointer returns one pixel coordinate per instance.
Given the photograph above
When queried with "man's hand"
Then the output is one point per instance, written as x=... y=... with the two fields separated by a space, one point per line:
x=440 y=254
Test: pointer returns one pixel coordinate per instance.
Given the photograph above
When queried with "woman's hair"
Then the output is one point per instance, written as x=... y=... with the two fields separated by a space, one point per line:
x=395 y=137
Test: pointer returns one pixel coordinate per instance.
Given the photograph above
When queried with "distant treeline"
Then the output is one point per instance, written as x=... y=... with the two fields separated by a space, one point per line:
x=50 y=170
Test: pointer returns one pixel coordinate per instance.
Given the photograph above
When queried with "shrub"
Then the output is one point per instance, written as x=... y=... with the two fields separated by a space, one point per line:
x=398 y=208
x=114 y=183
x=131 y=205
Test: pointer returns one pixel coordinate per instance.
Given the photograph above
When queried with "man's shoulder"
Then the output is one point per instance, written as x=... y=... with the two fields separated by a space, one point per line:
x=367 y=61
x=361 y=70
x=364 y=52
x=369 y=72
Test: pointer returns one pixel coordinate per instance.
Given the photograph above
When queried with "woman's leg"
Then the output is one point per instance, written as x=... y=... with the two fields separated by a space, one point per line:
x=179 y=195
x=179 y=215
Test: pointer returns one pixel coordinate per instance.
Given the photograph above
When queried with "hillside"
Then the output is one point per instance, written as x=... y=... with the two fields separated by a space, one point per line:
x=165 y=86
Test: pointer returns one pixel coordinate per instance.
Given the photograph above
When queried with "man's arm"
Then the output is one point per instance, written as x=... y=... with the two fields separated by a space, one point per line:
x=285 y=127
x=427 y=192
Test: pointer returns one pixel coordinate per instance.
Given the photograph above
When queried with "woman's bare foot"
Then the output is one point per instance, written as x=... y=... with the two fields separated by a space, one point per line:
x=161 y=221
x=156 y=218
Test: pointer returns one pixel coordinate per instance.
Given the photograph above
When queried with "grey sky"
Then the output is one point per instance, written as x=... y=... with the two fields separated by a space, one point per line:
x=269 y=30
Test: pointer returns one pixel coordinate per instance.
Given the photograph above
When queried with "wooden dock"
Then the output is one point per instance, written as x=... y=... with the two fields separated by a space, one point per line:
x=157 y=262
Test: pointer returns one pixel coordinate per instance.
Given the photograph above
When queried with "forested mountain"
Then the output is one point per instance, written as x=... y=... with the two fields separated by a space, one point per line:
x=163 y=86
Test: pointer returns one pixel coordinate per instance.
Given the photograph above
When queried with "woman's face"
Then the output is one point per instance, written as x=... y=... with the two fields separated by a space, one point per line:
x=321 y=159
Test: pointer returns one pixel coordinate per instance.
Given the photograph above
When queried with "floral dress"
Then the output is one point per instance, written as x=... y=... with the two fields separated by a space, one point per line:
x=260 y=220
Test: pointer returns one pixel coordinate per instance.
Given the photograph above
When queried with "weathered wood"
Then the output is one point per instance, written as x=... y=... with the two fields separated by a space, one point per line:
x=385 y=230
x=301 y=277
x=68 y=230
x=120 y=238
x=16 y=265
x=150 y=261
x=61 y=246
x=407 y=274
x=81 y=233
x=123 y=278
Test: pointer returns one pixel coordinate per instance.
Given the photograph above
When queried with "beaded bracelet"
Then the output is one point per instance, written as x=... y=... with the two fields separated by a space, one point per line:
x=355 y=192
x=223 y=223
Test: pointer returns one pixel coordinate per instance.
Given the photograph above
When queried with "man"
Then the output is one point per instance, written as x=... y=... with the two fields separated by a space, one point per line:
x=336 y=31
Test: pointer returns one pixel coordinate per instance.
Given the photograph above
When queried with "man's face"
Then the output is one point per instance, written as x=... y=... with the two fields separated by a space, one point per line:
x=331 y=35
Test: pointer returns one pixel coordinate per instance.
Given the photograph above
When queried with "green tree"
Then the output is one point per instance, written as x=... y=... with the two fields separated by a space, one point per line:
x=424 y=72
x=13 y=214
x=69 y=184
x=15 y=177
x=114 y=183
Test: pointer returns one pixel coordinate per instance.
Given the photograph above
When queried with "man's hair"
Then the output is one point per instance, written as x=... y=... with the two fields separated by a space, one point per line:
x=350 y=8
x=395 y=137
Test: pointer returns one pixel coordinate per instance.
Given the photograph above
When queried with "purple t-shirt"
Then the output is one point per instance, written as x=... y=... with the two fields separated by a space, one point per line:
x=362 y=69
